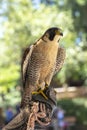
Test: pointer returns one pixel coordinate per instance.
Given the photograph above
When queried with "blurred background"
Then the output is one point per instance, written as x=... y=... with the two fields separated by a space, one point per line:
x=22 y=22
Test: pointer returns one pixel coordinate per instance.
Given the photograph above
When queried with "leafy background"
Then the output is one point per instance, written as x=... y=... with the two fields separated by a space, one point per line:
x=22 y=22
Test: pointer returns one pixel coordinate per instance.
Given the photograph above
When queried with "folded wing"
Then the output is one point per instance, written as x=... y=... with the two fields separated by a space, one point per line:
x=60 y=59
x=25 y=60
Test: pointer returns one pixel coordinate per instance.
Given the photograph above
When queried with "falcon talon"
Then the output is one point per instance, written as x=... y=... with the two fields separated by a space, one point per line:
x=40 y=92
x=43 y=94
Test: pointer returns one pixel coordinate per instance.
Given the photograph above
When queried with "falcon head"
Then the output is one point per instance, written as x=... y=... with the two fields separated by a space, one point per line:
x=53 y=33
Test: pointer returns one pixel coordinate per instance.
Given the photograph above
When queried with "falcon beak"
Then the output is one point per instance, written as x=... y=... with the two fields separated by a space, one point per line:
x=61 y=34
x=58 y=32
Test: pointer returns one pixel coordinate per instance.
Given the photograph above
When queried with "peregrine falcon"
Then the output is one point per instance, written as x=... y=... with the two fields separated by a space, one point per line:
x=40 y=62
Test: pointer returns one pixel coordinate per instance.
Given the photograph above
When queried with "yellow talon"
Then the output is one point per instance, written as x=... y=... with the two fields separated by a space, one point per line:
x=43 y=94
x=40 y=92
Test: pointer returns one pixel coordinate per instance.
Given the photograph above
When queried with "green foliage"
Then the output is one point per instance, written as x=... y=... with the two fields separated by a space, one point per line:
x=23 y=24
x=77 y=70
x=9 y=77
x=75 y=107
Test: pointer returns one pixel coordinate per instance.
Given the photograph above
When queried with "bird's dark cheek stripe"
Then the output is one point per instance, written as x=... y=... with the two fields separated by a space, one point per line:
x=51 y=36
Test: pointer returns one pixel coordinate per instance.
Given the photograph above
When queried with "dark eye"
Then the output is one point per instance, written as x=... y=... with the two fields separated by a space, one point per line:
x=51 y=36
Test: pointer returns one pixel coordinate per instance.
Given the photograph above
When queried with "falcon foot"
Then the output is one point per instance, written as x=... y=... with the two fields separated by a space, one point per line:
x=50 y=101
x=42 y=92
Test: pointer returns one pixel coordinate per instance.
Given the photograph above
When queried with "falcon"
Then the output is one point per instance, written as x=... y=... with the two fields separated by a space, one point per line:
x=40 y=62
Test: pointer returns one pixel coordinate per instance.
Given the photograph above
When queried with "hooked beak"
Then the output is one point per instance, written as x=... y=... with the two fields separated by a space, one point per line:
x=59 y=32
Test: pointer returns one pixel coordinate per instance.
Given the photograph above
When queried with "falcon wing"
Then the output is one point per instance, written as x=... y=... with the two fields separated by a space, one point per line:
x=60 y=59
x=25 y=61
